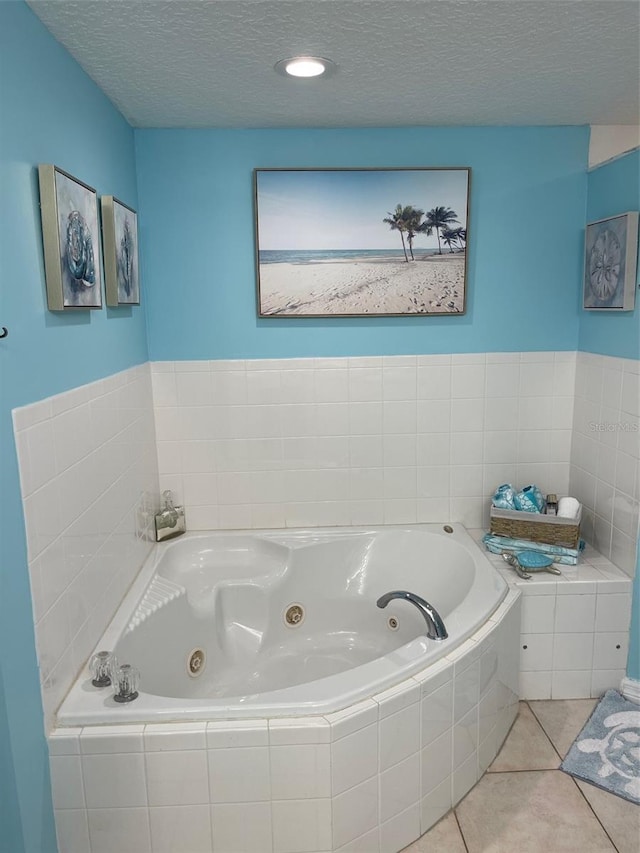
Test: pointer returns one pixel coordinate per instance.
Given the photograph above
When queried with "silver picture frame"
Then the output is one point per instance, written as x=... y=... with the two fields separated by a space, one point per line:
x=361 y=242
x=71 y=240
x=610 y=265
x=121 y=261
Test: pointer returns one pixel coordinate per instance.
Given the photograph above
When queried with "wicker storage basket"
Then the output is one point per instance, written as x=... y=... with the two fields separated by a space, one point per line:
x=549 y=529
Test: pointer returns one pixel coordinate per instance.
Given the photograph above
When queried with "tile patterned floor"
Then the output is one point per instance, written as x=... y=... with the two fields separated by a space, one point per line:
x=525 y=803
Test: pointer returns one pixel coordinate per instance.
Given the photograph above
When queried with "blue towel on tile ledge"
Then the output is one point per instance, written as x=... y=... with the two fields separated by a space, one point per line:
x=564 y=556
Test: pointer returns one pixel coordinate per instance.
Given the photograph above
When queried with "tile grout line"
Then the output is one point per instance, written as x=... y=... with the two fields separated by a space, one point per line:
x=595 y=814
x=536 y=770
x=593 y=811
x=464 y=840
x=558 y=770
x=535 y=716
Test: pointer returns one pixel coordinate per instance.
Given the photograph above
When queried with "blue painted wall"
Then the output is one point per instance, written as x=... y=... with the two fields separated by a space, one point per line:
x=10 y=825
x=633 y=662
x=613 y=188
x=528 y=197
x=51 y=113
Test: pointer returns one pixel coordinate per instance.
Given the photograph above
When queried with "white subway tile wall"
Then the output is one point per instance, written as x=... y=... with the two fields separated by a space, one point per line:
x=308 y=442
x=386 y=439
x=89 y=480
x=605 y=454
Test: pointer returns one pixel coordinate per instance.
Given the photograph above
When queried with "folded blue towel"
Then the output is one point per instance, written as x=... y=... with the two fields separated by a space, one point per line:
x=564 y=556
x=529 y=499
x=503 y=497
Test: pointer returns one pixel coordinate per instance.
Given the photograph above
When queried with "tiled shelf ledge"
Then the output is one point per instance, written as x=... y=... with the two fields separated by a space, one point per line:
x=574 y=637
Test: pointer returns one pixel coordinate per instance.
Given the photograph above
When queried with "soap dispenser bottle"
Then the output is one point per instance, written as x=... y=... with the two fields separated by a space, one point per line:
x=170 y=521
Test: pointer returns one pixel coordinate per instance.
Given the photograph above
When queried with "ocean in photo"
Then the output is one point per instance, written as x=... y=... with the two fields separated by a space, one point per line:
x=314 y=256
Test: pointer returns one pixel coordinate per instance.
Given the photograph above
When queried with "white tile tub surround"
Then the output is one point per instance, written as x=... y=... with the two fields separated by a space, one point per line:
x=372 y=440
x=574 y=637
x=88 y=469
x=605 y=454
x=372 y=777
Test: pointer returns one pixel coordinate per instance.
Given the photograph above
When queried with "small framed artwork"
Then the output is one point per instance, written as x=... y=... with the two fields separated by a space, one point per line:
x=611 y=252
x=71 y=239
x=120 y=239
x=361 y=242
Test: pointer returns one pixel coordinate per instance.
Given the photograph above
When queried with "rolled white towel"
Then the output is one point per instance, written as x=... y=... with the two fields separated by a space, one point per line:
x=568 y=508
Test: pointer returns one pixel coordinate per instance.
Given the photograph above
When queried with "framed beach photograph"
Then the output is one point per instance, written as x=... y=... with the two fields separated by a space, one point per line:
x=361 y=242
x=120 y=241
x=611 y=253
x=71 y=239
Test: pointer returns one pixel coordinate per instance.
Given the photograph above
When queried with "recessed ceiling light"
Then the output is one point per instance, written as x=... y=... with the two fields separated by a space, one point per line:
x=305 y=66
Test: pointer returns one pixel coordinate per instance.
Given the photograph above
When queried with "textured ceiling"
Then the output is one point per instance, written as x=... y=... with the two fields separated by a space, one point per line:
x=209 y=63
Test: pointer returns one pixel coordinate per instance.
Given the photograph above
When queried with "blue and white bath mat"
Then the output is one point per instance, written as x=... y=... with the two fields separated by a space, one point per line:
x=607 y=750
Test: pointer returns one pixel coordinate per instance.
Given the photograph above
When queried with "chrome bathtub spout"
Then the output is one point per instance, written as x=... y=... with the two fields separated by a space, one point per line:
x=435 y=625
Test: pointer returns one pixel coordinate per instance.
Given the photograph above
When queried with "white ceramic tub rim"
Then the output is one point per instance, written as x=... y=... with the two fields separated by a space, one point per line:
x=86 y=706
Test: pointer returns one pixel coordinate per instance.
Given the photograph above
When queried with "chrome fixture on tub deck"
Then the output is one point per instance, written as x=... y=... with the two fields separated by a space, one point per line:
x=127 y=680
x=102 y=666
x=435 y=625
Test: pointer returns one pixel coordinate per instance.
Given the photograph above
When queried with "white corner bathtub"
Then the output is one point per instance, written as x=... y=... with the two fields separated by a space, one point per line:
x=349 y=732
x=225 y=594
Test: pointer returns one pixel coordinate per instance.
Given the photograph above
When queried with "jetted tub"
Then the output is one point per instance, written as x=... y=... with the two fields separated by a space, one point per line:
x=206 y=621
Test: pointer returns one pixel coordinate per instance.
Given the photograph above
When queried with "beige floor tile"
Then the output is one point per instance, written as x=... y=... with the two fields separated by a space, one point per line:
x=619 y=817
x=563 y=719
x=527 y=747
x=529 y=812
x=444 y=836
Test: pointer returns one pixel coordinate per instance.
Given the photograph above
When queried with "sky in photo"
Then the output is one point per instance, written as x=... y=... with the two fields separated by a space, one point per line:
x=344 y=209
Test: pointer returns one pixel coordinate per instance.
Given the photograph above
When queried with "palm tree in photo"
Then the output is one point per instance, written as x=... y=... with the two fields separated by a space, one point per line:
x=397 y=222
x=461 y=238
x=449 y=238
x=436 y=220
x=413 y=218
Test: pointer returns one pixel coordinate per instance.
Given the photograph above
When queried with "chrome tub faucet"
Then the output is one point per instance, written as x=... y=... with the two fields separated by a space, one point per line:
x=435 y=625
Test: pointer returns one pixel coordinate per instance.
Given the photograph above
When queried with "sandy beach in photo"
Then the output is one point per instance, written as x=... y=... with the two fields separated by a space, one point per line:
x=432 y=284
